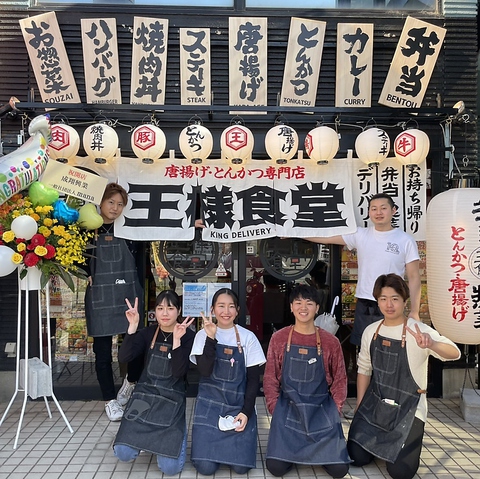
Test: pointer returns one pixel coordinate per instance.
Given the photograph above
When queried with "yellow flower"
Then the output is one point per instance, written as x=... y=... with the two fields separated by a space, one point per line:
x=21 y=247
x=8 y=236
x=43 y=230
x=61 y=241
x=48 y=222
x=40 y=250
x=17 y=258
x=35 y=216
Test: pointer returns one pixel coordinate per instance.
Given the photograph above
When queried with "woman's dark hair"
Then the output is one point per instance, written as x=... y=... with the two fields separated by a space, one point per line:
x=171 y=298
x=304 y=291
x=112 y=189
x=228 y=291
x=393 y=281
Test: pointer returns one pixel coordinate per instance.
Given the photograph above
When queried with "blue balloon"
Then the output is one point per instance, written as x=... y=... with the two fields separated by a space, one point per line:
x=63 y=213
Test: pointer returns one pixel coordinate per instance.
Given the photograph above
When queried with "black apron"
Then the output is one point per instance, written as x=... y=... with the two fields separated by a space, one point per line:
x=114 y=279
x=154 y=417
x=385 y=416
x=222 y=394
x=306 y=426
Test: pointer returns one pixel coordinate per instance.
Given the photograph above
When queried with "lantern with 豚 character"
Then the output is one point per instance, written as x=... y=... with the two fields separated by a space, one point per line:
x=372 y=146
x=196 y=143
x=64 y=144
x=322 y=144
x=281 y=143
x=236 y=143
x=148 y=142
x=411 y=147
x=453 y=264
x=100 y=142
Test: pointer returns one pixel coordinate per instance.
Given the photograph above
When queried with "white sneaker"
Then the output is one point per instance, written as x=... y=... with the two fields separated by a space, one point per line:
x=113 y=410
x=125 y=392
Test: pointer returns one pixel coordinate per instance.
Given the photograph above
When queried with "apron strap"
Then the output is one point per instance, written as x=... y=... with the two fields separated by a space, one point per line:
x=237 y=335
x=404 y=331
x=319 y=343
x=152 y=344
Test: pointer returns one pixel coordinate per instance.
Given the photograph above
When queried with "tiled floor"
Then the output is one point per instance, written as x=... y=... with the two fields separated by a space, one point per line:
x=47 y=450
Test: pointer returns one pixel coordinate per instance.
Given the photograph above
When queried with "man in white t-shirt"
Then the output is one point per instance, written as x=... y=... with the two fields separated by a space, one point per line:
x=381 y=249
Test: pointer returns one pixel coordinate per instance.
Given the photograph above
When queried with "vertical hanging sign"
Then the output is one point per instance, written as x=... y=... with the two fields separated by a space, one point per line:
x=353 y=83
x=100 y=60
x=302 y=65
x=195 y=76
x=49 y=59
x=413 y=63
x=149 y=61
x=247 y=61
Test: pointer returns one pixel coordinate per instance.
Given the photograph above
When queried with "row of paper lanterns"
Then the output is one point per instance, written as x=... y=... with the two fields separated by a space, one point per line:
x=148 y=141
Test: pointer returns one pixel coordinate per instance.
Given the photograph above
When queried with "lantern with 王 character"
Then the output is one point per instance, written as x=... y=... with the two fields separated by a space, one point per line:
x=453 y=264
x=64 y=144
x=100 y=142
x=411 y=147
x=281 y=143
x=236 y=143
x=372 y=146
x=148 y=142
x=196 y=143
x=322 y=144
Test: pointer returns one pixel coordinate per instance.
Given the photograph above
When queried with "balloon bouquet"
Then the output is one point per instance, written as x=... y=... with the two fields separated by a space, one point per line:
x=40 y=230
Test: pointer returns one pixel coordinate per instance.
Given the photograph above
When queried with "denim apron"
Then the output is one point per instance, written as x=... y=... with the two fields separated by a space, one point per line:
x=306 y=426
x=223 y=394
x=154 y=418
x=114 y=279
x=385 y=416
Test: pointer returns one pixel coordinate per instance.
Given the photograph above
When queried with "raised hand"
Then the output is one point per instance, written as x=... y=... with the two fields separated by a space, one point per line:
x=209 y=326
x=424 y=340
x=180 y=328
x=132 y=316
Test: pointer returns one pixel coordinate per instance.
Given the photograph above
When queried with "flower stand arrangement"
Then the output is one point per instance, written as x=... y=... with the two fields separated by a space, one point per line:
x=40 y=236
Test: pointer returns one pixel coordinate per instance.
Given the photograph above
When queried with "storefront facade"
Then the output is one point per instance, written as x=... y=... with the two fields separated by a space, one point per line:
x=453 y=80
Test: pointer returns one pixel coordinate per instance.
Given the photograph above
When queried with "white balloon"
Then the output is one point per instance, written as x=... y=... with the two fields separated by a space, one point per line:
x=24 y=227
x=7 y=266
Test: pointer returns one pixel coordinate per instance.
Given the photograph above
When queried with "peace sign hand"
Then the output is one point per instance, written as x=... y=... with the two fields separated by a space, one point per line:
x=209 y=326
x=132 y=316
x=181 y=328
x=424 y=340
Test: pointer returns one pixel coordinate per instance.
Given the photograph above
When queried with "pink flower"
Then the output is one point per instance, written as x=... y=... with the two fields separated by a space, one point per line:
x=31 y=259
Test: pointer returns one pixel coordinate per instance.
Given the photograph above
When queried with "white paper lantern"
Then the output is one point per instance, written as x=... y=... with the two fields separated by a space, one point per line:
x=411 y=147
x=196 y=143
x=372 y=146
x=453 y=264
x=236 y=143
x=64 y=144
x=100 y=142
x=322 y=144
x=148 y=142
x=281 y=143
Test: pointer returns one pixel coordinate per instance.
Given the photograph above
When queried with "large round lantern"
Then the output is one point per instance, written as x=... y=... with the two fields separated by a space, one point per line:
x=411 y=147
x=322 y=144
x=236 y=143
x=453 y=259
x=372 y=146
x=196 y=143
x=64 y=144
x=148 y=143
x=100 y=142
x=281 y=143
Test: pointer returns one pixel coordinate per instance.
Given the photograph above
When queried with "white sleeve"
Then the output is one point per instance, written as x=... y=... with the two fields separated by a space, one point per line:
x=254 y=353
x=436 y=336
x=198 y=345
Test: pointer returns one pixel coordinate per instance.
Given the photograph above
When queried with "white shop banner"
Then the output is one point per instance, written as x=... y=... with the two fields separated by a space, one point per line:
x=161 y=200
